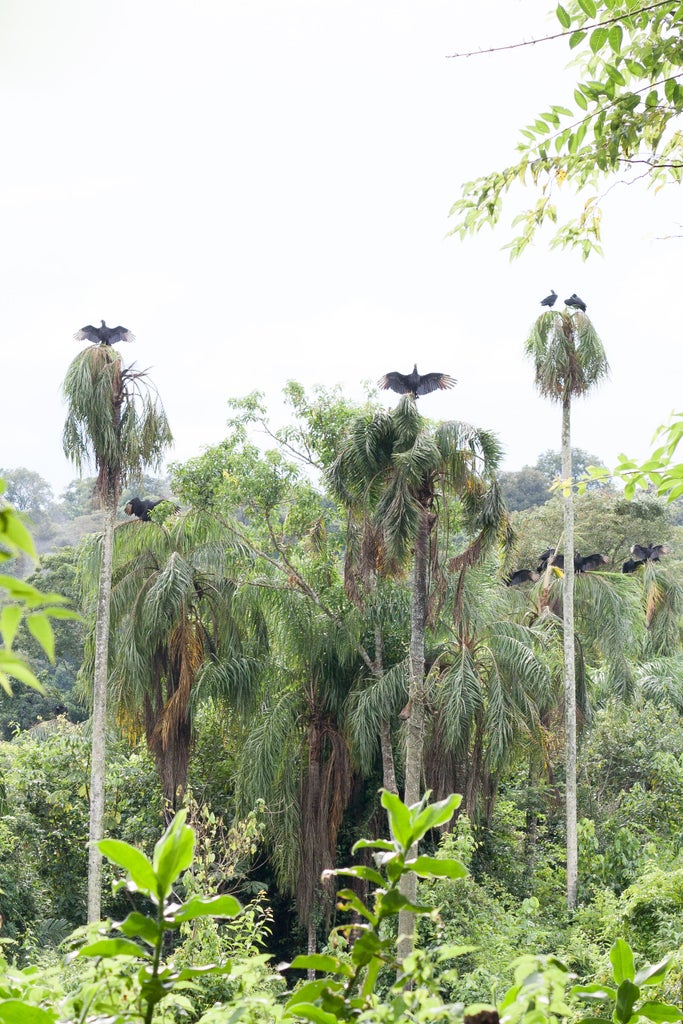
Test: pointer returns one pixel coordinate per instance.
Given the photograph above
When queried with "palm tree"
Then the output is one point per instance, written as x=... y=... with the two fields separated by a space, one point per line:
x=569 y=360
x=177 y=631
x=114 y=421
x=296 y=754
x=404 y=471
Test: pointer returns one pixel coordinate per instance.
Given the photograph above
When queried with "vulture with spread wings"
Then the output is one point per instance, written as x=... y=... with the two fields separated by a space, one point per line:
x=104 y=335
x=415 y=383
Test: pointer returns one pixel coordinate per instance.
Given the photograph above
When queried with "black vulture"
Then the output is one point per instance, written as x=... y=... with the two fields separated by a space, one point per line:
x=141 y=507
x=588 y=563
x=632 y=564
x=416 y=383
x=520 y=576
x=649 y=552
x=550 y=300
x=576 y=302
x=548 y=556
x=104 y=335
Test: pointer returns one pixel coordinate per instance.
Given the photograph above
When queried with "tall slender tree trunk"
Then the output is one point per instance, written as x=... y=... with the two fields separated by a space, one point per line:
x=388 y=768
x=99 y=711
x=415 y=724
x=569 y=667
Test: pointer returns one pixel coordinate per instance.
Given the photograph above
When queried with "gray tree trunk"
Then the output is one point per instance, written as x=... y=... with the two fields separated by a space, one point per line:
x=388 y=769
x=99 y=712
x=569 y=667
x=415 y=723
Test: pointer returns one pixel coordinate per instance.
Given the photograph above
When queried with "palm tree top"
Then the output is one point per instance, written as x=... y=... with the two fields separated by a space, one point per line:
x=569 y=357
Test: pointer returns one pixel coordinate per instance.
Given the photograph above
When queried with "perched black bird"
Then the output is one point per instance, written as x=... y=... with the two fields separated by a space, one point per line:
x=588 y=563
x=649 y=552
x=550 y=300
x=104 y=335
x=576 y=302
x=416 y=383
x=141 y=507
x=548 y=556
x=632 y=564
x=520 y=576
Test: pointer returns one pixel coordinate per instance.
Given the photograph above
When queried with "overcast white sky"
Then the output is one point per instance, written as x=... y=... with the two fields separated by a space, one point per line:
x=259 y=190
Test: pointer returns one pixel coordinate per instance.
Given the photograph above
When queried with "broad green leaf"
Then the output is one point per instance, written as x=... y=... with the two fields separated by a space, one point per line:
x=313 y=1013
x=322 y=962
x=10 y=617
x=594 y=991
x=627 y=993
x=205 y=906
x=393 y=901
x=621 y=958
x=308 y=992
x=598 y=38
x=40 y=629
x=16 y=1011
x=436 y=814
x=114 y=947
x=185 y=973
x=616 y=34
x=373 y=844
x=362 y=871
x=351 y=901
x=428 y=867
x=589 y=7
x=653 y=974
x=660 y=1012
x=131 y=860
x=366 y=947
x=15 y=534
x=173 y=853
x=399 y=818
x=137 y=924
x=580 y=99
x=563 y=16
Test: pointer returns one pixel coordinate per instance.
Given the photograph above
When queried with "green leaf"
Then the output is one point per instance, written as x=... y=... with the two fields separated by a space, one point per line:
x=580 y=99
x=433 y=867
x=313 y=1013
x=435 y=814
x=173 y=854
x=598 y=38
x=627 y=993
x=353 y=902
x=621 y=958
x=588 y=7
x=131 y=860
x=16 y=1011
x=653 y=974
x=137 y=924
x=660 y=1011
x=10 y=617
x=393 y=901
x=594 y=992
x=575 y=38
x=199 y=972
x=399 y=818
x=374 y=844
x=322 y=962
x=366 y=947
x=615 y=36
x=114 y=947
x=362 y=871
x=40 y=629
x=563 y=16
x=205 y=906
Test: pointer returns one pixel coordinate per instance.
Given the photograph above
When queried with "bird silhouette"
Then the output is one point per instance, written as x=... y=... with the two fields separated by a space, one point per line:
x=416 y=383
x=520 y=576
x=104 y=335
x=550 y=300
x=649 y=552
x=576 y=302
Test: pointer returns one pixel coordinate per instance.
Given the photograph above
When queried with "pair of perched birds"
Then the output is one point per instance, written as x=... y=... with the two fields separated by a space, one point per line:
x=574 y=301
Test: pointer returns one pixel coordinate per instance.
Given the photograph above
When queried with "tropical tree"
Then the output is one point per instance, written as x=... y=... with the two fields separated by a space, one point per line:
x=569 y=360
x=628 y=101
x=116 y=422
x=175 y=628
x=296 y=754
x=405 y=472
